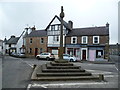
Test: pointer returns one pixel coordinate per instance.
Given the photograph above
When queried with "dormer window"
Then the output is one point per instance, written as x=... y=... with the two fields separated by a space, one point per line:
x=73 y=40
x=95 y=39
x=84 y=39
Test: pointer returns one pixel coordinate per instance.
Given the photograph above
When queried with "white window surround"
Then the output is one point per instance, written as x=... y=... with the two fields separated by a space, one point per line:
x=94 y=39
x=41 y=40
x=86 y=41
x=74 y=41
x=86 y=53
x=30 y=40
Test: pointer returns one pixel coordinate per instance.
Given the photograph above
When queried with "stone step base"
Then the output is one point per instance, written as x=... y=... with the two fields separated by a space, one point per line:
x=64 y=74
x=49 y=66
x=61 y=64
x=44 y=69
x=59 y=78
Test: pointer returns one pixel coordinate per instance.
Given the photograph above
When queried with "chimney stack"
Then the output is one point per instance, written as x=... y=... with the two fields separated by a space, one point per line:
x=12 y=36
x=107 y=24
x=33 y=28
x=70 y=23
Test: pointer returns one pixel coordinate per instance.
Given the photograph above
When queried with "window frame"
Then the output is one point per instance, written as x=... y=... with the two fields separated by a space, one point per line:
x=94 y=39
x=56 y=38
x=30 y=50
x=86 y=39
x=52 y=27
x=75 y=40
x=42 y=41
x=31 y=40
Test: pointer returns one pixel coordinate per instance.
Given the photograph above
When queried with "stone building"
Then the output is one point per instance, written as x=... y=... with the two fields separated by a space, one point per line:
x=114 y=49
x=36 y=43
x=89 y=43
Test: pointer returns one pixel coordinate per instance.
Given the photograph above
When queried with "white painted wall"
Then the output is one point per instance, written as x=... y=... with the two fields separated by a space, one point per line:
x=19 y=43
x=13 y=45
x=52 y=42
x=56 y=21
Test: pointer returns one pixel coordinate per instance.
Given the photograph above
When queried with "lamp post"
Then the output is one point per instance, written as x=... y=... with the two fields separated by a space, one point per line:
x=61 y=35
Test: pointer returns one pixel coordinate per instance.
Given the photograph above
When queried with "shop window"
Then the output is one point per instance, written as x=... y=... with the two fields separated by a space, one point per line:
x=99 y=53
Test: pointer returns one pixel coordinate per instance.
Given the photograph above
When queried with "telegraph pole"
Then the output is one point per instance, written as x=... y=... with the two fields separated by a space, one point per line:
x=61 y=35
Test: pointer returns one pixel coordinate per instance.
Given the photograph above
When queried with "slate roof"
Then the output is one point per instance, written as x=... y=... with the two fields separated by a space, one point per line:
x=37 y=33
x=89 y=31
x=1 y=40
x=64 y=23
x=13 y=40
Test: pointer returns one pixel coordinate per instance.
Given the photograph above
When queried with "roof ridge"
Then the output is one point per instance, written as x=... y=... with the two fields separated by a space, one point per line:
x=90 y=27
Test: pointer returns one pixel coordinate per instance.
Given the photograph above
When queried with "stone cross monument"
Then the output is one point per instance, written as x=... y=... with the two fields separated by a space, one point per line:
x=61 y=35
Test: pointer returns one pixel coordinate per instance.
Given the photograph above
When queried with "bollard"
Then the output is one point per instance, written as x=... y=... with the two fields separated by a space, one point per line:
x=34 y=66
x=101 y=76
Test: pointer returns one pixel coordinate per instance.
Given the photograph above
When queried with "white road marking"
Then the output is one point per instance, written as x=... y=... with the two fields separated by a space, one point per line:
x=116 y=68
x=98 y=72
x=29 y=86
x=69 y=84
x=26 y=63
x=111 y=76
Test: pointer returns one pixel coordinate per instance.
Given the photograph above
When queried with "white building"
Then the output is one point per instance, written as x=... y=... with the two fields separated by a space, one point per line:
x=53 y=33
x=14 y=44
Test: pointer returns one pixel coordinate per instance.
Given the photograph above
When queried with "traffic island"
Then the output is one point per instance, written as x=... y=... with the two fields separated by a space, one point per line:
x=55 y=71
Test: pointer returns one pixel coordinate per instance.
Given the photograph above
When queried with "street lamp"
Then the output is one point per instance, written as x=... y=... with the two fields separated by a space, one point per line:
x=61 y=35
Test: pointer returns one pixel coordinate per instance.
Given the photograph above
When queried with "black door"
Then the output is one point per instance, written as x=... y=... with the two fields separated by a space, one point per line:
x=84 y=54
x=36 y=51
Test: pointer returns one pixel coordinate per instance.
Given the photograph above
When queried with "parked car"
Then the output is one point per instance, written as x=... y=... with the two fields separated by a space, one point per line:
x=21 y=55
x=48 y=56
x=69 y=57
x=14 y=54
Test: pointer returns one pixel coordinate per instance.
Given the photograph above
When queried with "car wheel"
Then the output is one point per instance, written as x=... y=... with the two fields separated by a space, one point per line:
x=38 y=58
x=47 y=58
x=71 y=60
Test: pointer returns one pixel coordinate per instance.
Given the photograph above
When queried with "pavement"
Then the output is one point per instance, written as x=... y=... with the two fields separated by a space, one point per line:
x=23 y=69
x=107 y=69
x=98 y=62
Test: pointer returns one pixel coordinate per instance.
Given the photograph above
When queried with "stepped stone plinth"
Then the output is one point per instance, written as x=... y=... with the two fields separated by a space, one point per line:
x=61 y=70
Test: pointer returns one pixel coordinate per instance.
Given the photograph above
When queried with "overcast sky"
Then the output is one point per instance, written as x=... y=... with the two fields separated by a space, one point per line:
x=15 y=16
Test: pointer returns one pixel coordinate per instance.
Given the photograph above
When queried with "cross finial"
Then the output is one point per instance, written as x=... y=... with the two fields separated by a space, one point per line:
x=61 y=8
x=62 y=13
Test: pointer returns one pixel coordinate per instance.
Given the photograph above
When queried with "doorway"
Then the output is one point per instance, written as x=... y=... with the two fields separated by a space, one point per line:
x=83 y=54
x=36 y=51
